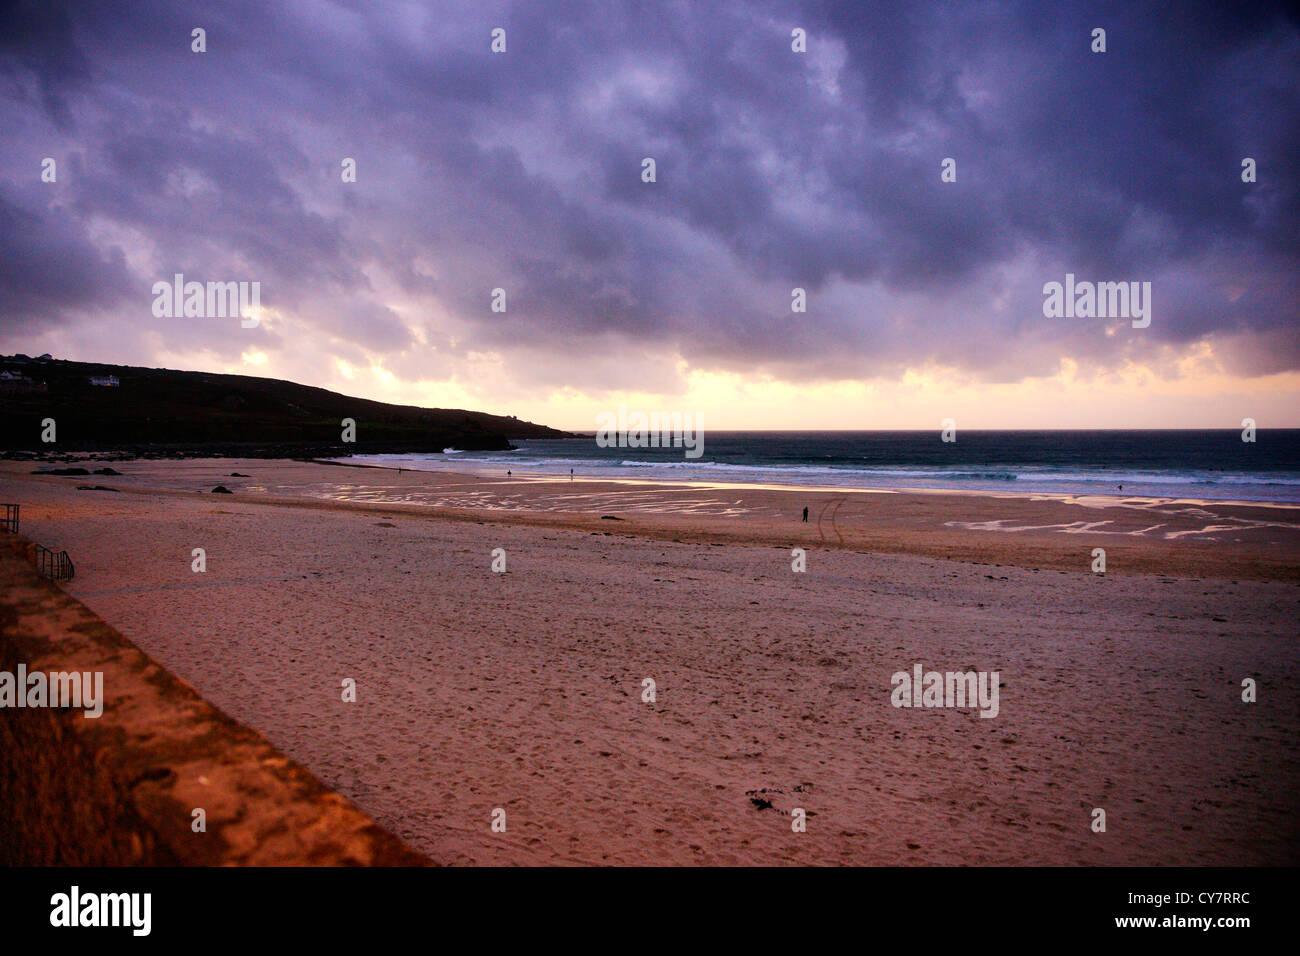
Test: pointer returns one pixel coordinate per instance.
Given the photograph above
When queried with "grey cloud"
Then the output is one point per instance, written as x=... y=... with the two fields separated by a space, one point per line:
x=774 y=170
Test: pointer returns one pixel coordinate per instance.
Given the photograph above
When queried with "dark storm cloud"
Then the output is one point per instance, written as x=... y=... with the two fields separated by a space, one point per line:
x=49 y=258
x=774 y=169
x=40 y=44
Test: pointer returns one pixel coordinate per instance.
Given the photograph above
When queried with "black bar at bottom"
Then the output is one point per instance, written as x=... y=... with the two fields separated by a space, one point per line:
x=658 y=908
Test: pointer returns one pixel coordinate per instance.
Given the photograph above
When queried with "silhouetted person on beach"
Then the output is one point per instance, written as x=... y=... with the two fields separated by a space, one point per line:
x=805 y=514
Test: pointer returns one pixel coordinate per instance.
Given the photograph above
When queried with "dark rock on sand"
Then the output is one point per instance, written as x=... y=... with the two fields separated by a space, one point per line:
x=222 y=490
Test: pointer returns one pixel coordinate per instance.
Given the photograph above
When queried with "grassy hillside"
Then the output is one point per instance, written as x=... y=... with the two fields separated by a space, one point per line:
x=166 y=411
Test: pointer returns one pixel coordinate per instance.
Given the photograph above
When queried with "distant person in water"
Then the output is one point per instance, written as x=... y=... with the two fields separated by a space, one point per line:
x=570 y=474
x=507 y=472
x=805 y=514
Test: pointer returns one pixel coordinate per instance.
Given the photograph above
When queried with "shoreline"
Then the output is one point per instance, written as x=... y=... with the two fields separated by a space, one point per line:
x=828 y=489
x=1174 y=537
x=447 y=464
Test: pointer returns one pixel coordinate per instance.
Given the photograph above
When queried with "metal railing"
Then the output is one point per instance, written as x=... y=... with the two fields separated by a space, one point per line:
x=55 y=565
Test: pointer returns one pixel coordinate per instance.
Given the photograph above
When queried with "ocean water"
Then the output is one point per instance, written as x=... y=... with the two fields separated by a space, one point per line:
x=1212 y=464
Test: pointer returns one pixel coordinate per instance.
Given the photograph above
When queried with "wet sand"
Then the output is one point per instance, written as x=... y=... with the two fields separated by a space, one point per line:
x=523 y=690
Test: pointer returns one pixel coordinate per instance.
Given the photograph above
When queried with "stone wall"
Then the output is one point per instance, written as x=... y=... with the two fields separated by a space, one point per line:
x=121 y=789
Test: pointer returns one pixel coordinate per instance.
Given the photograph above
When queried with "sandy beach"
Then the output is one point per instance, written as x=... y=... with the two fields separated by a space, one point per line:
x=523 y=690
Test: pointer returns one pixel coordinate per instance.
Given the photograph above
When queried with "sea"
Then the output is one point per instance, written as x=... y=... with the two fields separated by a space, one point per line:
x=1198 y=464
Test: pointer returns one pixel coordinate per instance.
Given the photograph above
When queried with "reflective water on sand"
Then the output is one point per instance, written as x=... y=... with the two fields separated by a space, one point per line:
x=653 y=501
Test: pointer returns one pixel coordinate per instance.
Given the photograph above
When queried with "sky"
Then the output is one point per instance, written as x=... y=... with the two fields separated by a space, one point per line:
x=776 y=169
